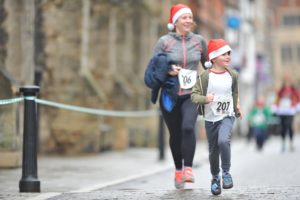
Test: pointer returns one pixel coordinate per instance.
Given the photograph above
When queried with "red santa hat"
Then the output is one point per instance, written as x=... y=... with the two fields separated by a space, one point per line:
x=175 y=12
x=215 y=48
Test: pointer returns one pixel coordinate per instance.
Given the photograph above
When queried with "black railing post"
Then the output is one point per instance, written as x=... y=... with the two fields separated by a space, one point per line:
x=161 y=138
x=29 y=181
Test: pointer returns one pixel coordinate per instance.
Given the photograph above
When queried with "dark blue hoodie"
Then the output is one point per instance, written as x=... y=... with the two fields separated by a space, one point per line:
x=156 y=77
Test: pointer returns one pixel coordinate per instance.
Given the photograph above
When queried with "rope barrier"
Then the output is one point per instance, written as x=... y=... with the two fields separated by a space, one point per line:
x=144 y=113
x=11 y=101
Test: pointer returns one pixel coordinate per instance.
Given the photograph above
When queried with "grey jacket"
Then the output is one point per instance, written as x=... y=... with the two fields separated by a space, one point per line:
x=186 y=51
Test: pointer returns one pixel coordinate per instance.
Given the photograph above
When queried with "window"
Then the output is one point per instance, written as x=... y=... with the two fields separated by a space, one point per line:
x=291 y=20
x=290 y=53
x=286 y=53
x=298 y=53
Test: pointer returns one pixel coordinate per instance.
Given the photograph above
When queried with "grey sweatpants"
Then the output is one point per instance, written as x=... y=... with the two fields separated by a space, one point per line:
x=219 y=136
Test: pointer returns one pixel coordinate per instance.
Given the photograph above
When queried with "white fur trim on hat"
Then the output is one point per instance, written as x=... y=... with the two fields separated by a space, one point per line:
x=181 y=12
x=219 y=52
x=208 y=64
x=170 y=27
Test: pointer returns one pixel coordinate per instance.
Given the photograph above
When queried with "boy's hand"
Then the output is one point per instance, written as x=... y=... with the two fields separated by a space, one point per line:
x=209 y=98
x=240 y=111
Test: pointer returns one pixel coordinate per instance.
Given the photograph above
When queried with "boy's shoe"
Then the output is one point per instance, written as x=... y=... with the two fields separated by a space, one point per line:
x=179 y=182
x=188 y=175
x=215 y=186
x=227 y=181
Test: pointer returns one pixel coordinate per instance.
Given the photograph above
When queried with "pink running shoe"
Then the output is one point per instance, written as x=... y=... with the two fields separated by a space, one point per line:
x=179 y=183
x=188 y=175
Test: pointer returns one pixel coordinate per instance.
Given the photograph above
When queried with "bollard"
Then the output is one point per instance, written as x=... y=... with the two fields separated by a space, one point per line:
x=161 y=138
x=29 y=181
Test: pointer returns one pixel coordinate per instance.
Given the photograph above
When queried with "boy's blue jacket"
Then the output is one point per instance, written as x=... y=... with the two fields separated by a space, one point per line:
x=156 y=77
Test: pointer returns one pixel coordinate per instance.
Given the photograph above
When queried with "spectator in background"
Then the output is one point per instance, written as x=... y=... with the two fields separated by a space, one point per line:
x=287 y=104
x=258 y=121
x=174 y=69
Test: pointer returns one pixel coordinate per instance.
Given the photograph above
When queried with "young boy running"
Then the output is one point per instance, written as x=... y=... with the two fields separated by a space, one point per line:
x=216 y=93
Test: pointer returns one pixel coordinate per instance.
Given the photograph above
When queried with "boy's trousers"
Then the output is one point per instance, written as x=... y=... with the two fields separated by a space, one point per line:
x=219 y=135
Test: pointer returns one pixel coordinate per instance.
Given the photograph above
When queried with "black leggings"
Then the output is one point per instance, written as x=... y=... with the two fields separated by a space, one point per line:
x=287 y=126
x=181 y=123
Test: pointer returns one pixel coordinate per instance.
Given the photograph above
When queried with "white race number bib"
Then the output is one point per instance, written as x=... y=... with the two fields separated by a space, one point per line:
x=259 y=118
x=187 y=78
x=222 y=106
x=285 y=102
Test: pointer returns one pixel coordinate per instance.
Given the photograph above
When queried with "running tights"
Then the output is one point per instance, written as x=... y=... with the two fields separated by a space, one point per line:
x=287 y=126
x=181 y=123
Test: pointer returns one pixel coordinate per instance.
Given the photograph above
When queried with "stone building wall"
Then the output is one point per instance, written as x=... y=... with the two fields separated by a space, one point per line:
x=87 y=53
x=96 y=54
x=9 y=132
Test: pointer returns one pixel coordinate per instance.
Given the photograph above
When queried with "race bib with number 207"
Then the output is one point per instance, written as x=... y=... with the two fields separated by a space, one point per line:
x=222 y=106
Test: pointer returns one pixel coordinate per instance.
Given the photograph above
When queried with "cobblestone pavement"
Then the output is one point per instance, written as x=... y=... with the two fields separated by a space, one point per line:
x=15 y=196
x=246 y=193
x=270 y=174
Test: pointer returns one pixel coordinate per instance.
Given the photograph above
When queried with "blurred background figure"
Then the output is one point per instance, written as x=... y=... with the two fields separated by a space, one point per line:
x=258 y=118
x=286 y=106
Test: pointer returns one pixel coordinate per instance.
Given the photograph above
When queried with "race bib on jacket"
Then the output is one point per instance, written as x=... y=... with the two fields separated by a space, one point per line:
x=259 y=118
x=285 y=102
x=187 y=78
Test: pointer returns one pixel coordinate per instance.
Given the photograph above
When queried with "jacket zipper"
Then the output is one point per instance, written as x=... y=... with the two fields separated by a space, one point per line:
x=184 y=60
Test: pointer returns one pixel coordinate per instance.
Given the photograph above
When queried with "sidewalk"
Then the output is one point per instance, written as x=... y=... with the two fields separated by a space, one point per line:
x=86 y=173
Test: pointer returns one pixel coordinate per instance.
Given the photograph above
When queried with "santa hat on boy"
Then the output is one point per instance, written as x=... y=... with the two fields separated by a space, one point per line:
x=216 y=47
x=175 y=12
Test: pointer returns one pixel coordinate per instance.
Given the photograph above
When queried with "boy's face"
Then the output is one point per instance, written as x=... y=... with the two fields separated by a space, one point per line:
x=222 y=60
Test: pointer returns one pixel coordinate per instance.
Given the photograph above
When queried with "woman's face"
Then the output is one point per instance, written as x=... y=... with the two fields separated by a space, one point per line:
x=184 y=24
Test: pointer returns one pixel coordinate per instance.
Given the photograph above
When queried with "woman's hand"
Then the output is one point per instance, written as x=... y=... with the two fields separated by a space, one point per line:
x=175 y=70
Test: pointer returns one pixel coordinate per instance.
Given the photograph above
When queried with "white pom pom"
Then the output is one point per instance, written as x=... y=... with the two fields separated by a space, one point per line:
x=208 y=64
x=170 y=27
